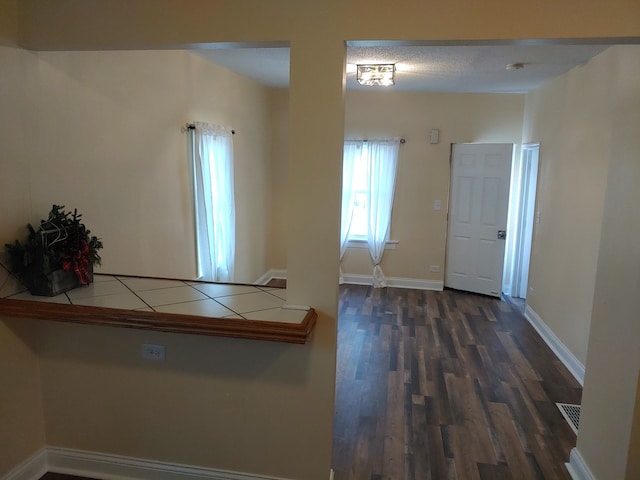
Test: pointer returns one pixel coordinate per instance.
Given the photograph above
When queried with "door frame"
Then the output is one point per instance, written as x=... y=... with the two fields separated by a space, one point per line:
x=525 y=221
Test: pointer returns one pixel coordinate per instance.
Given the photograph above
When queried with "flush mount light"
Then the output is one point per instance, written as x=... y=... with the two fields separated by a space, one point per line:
x=380 y=74
x=515 y=66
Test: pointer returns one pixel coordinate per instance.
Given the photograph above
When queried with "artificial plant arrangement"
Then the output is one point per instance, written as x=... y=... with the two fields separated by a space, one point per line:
x=56 y=257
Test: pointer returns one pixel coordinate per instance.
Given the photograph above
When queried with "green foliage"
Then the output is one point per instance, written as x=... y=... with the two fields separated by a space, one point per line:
x=60 y=239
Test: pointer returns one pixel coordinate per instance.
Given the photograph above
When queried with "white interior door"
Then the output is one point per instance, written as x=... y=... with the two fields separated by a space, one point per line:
x=478 y=205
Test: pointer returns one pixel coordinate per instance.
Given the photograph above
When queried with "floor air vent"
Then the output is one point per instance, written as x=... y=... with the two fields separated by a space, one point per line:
x=571 y=414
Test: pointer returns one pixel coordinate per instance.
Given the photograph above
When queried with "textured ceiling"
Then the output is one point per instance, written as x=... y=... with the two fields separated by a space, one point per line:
x=269 y=66
x=464 y=68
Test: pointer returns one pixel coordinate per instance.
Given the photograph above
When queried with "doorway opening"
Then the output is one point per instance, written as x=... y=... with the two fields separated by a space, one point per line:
x=522 y=200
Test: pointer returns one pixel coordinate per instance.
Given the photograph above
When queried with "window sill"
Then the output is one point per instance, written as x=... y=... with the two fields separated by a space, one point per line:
x=362 y=243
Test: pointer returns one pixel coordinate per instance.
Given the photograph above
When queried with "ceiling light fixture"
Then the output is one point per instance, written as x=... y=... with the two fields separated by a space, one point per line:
x=515 y=66
x=380 y=74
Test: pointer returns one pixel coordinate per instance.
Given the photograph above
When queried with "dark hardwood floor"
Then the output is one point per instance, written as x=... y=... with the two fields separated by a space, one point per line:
x=446 y=385
x=277 y=282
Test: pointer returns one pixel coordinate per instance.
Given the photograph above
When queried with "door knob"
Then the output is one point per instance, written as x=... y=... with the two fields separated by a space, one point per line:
x=502 y=234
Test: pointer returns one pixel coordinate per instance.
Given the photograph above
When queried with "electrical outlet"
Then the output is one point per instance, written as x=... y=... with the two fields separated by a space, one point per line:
x=153 y=352
x=434 y=268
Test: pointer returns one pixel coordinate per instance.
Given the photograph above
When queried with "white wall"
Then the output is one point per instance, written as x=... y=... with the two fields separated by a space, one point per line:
x=318 y=31
x=220 y=403
x=15 y=186
x=584 y=277
x=613 y=358
x=569 y=117
x=276 y=225
x=21 y=411
x=105 y=138
x=424 y=168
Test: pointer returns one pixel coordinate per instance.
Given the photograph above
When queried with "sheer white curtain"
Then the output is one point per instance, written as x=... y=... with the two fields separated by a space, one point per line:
x=352 y=151
x=214 y=202
x=383 y=161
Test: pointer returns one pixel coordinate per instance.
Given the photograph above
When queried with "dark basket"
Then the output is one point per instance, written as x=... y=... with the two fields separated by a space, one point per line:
x=61 y=281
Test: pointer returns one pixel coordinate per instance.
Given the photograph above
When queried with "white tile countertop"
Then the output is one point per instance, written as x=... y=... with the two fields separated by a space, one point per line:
x=243 y=311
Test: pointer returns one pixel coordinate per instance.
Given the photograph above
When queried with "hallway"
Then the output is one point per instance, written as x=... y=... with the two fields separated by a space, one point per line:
x=446 y=385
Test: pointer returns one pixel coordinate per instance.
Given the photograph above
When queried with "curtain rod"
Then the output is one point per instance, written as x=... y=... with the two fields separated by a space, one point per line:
x=402 y=140
x=192 y=126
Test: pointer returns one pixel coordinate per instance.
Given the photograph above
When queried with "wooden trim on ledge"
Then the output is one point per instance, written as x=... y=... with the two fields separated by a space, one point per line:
x=162 y=322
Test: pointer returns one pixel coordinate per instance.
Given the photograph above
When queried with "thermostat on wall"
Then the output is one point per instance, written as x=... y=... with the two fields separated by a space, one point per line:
x=434 y=135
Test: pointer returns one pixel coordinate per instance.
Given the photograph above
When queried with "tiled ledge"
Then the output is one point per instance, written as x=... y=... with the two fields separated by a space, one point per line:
x=239 y=311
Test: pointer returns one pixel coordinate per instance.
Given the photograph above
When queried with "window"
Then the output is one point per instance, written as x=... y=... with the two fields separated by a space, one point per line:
x=358 y=229
x=368 y=183
x=212 y=152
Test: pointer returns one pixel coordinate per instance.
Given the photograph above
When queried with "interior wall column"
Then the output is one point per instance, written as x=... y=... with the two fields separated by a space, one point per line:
x=316 y=140
x=613 y=358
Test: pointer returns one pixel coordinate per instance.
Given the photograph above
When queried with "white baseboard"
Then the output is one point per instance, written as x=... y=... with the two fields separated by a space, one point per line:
x=569 y=360
x=578 y=468
x=116 y=467
x=398 y=282
x=105 y=466
x=32 y=468
x=357 y=279
x=271 y=275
